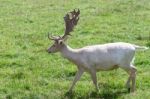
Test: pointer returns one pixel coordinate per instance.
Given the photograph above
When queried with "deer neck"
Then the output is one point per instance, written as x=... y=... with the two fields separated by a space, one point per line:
x=69 y=53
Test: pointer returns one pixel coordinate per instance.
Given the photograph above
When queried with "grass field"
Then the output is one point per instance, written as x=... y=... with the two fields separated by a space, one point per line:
x=27 y=71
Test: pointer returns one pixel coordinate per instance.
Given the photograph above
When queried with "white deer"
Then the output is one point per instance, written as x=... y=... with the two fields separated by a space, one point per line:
x=96 y=57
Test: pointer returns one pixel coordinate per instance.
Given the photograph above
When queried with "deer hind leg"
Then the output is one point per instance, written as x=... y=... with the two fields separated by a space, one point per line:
x=132 y=78
x=128 y=83
x=94 y=79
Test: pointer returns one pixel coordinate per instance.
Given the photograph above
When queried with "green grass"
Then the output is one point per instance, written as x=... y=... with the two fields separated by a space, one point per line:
x=27 y=71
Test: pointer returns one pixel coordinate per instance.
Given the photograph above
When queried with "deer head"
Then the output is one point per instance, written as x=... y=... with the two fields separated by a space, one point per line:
x=71 y=19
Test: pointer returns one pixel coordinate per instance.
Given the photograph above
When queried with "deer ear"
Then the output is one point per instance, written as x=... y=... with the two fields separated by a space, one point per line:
x=60 y=42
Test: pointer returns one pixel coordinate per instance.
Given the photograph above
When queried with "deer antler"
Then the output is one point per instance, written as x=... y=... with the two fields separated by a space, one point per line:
x=52 y=37
x=71 y=19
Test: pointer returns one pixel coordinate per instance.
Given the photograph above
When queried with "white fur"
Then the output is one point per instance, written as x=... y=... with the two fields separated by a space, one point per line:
x=102 y=57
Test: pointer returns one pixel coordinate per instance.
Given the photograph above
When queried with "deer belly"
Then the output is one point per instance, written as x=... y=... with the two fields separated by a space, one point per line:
x=104 y=66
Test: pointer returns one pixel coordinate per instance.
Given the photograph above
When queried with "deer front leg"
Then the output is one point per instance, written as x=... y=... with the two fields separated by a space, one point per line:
x=77 y=77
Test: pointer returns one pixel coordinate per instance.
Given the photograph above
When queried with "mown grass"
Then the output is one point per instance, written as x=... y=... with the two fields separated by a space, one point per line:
x=27 y=71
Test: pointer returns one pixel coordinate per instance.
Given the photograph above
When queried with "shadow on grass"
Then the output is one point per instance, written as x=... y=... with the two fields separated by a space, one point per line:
x=107 y=92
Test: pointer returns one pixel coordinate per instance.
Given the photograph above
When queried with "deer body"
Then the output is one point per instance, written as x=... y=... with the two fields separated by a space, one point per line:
x=96 y=57
x=100 y=57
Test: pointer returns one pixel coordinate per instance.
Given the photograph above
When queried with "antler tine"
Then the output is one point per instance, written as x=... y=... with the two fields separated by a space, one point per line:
x=76 y=16
x=71 y=19
x=51 y=37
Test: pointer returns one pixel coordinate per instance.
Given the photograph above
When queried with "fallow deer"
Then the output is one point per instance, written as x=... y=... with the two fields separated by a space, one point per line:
x=95 y=58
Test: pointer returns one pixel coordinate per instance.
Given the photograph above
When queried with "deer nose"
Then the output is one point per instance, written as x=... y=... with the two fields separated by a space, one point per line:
x=48 y=51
